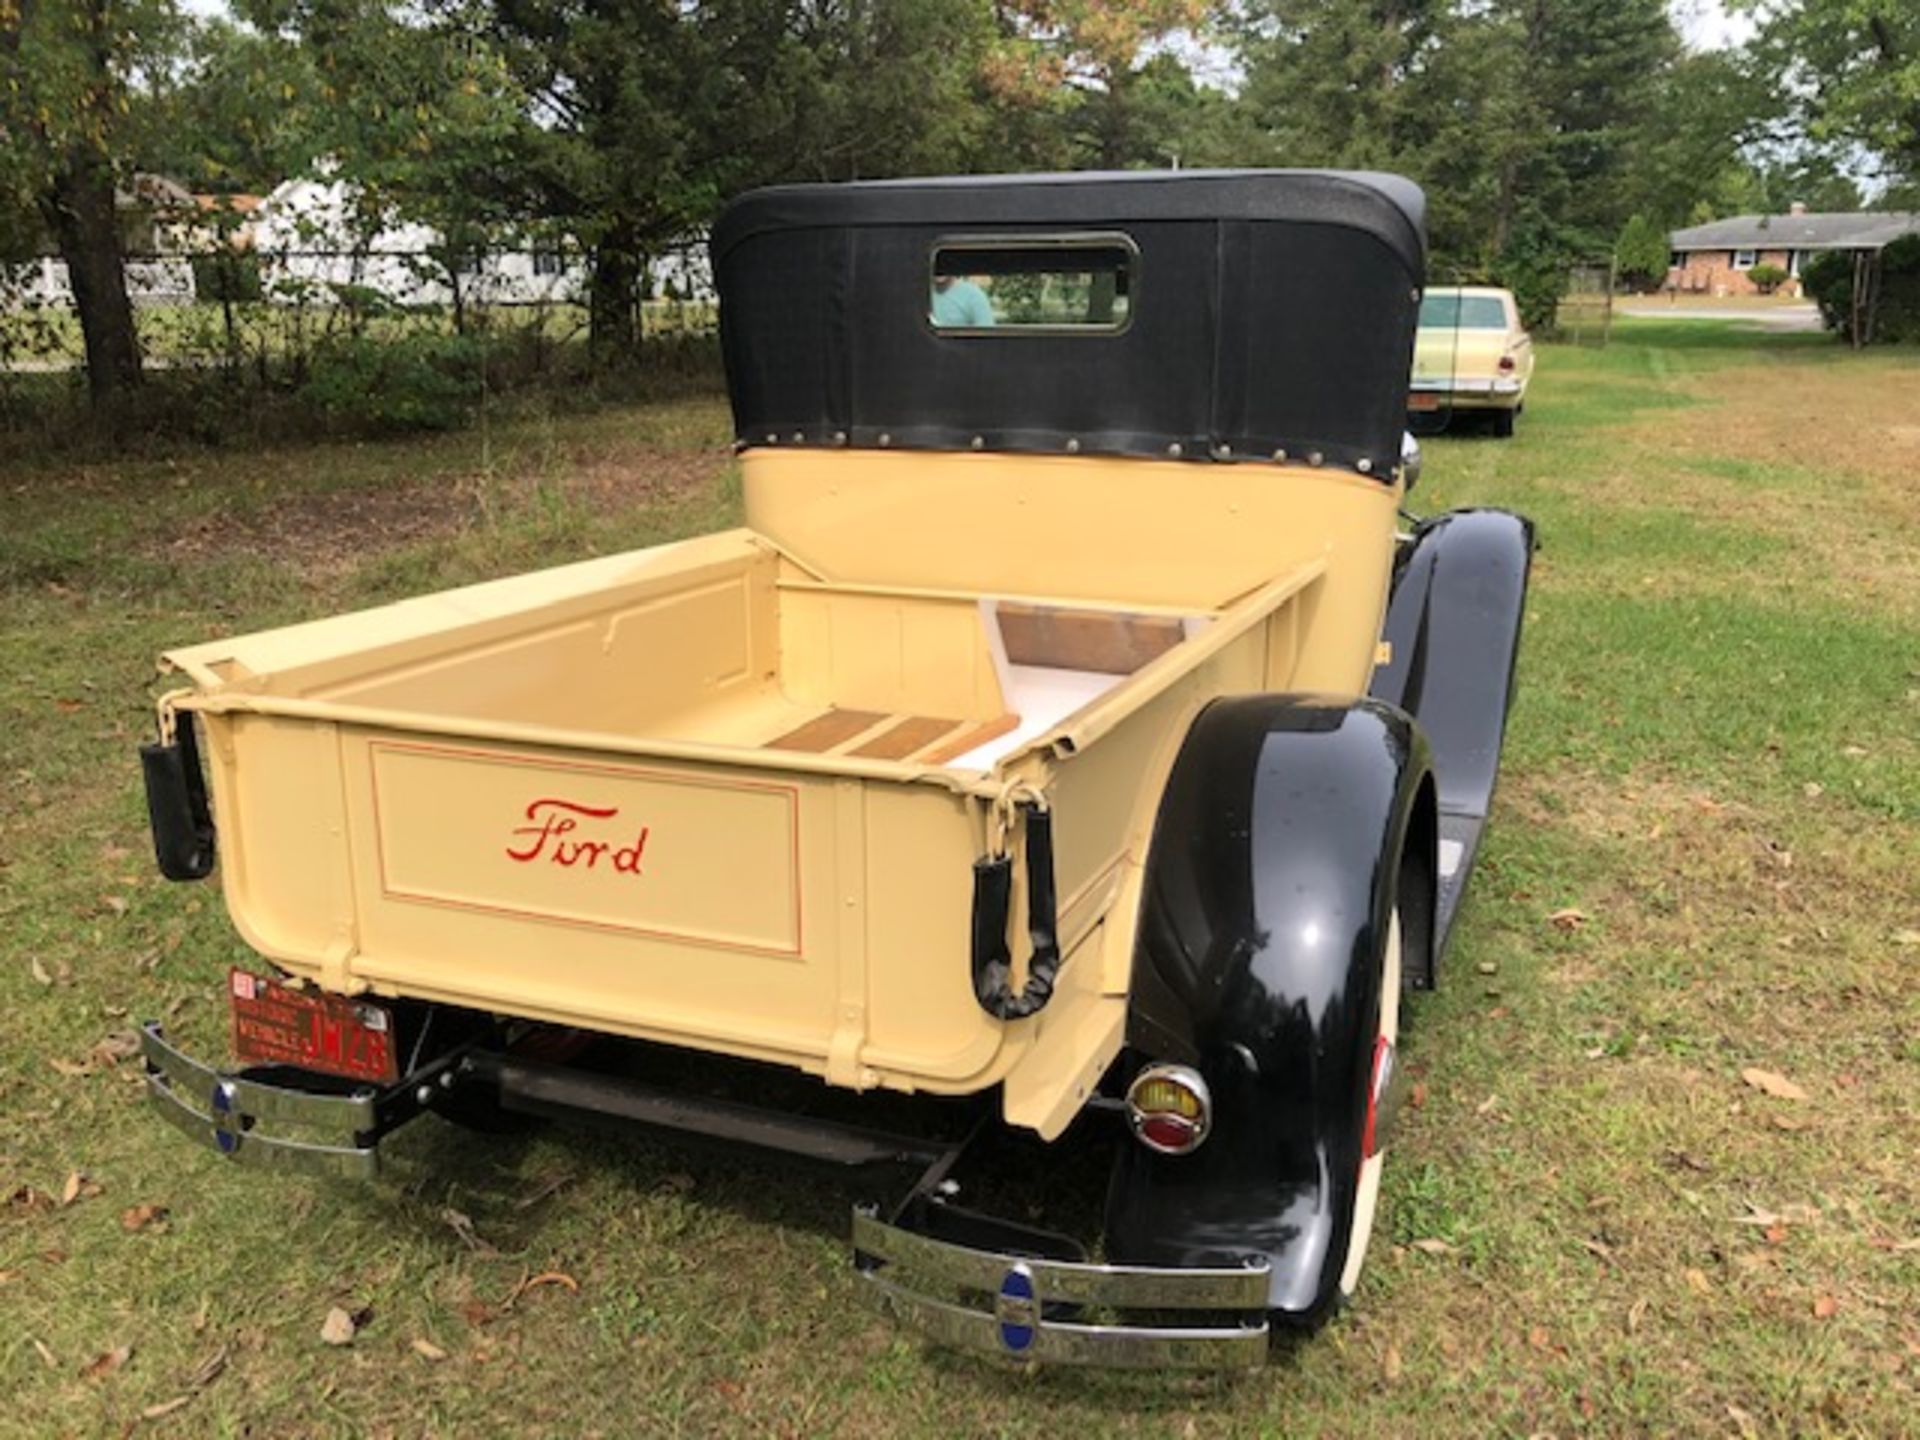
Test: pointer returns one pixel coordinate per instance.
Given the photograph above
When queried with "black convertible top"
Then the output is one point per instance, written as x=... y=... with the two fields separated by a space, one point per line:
x=1267 y=314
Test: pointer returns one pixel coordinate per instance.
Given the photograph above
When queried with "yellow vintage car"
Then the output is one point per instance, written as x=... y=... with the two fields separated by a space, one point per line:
x=1471 y=355
x=1073 y=732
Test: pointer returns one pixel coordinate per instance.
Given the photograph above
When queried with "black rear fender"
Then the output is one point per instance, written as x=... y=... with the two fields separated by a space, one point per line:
x=1274 y=870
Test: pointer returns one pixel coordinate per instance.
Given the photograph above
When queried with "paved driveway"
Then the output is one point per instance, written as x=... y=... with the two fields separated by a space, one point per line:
x=1768 y=317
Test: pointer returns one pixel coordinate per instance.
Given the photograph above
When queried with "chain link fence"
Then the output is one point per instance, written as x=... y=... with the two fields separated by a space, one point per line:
x=267 y=313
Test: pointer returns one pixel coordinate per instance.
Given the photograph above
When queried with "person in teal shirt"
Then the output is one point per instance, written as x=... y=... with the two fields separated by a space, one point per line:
x=959 y=304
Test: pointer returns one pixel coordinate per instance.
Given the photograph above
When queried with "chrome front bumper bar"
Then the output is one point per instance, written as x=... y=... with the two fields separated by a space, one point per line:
x=1010 y=1306
x=224 y=1113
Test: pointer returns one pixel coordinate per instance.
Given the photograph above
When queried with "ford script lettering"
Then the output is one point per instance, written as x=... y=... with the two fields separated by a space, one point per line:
x=553 y=821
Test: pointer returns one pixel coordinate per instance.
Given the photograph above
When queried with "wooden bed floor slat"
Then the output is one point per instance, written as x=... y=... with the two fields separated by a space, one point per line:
x=969 y=739
x=826 y=730
x=903 y=738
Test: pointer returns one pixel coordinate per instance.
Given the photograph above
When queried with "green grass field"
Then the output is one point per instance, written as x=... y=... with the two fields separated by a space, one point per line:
x=1593 y=1224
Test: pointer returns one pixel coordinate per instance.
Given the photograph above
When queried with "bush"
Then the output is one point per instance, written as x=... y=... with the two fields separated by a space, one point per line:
x=1828 y=281
x=1899 y=319
x=1767 y=278
x=420 y=381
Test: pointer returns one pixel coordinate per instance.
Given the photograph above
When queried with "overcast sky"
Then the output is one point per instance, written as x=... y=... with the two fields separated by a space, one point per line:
x=1706 y=25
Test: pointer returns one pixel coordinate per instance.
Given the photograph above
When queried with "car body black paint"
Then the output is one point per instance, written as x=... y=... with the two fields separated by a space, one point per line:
x=1453 y=625
x=1270 y=883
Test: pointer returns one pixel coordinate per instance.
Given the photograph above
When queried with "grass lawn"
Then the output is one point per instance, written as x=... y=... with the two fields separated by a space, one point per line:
x=1702 y=863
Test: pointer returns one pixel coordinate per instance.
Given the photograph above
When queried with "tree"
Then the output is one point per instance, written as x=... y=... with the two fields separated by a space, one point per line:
x=1524 y=119
x=68 y=94
x=648 y=116
x=1850 y=70
x=1640 y=254
x=1099 y=69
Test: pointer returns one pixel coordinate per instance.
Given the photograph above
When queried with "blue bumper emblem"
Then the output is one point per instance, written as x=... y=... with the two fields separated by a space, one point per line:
x=226 y=1123
x=1017 y=1308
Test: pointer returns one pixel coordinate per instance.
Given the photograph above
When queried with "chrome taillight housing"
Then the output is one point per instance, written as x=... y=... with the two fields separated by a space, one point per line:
x=1170 y=1109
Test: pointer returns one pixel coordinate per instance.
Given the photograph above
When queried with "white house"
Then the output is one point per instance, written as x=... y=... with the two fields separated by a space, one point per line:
x=311 y=241
x=156 y=275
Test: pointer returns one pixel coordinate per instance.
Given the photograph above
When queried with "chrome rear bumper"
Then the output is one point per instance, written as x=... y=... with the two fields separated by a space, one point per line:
x=224 y=1113
x=1011 y=1306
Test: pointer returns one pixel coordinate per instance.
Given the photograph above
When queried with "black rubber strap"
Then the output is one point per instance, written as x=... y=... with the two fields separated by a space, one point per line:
x=177 y=811
x=992 y=897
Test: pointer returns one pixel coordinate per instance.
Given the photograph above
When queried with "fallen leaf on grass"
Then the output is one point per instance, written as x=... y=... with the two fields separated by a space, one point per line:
x=79 y=1186
x=1434 y=1247
x=1897 y=1247
x=1774 y=1084
x=427 y=1350
x=46 y=1355
x=72 y=1069
x=1825 y=1307
x=112 y=1049
x=1390 y=1364
x=1568 y=919
x=141 y=1217
x=1698 y=1283
x=165 y=1407
x=1788 y=1123
x=542 y=1191
x=208 y=1370
x=40 y=974
x=462 y=1225
x=1636 y=1312
x=104 y=1365
x=339 y=1327
x=116 y=903
x=534 y=1282
x=26 y=1197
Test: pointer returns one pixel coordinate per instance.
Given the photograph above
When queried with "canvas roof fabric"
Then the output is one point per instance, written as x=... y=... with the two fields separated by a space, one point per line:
x=1271 y=316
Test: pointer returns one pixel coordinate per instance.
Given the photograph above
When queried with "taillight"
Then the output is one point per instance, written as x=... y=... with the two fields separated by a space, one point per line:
x=1169 y=1108
x=1506 y=362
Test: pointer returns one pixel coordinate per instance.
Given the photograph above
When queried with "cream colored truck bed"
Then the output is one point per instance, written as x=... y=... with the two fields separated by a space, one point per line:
x=706 y=794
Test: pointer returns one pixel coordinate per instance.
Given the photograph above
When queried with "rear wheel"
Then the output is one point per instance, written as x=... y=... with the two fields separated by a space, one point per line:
x=1379 y=1072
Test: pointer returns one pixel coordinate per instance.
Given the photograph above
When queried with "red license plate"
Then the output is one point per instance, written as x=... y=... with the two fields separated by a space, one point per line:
x=274 y=1024
x=1423 y=400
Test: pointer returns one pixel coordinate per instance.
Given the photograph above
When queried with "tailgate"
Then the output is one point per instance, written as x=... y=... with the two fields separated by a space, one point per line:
x=662 y=898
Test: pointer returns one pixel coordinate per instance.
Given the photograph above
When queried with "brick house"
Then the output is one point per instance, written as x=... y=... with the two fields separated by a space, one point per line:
x=1715 y=258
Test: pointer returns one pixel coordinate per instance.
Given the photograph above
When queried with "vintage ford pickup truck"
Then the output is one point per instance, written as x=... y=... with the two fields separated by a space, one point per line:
x=1071 y=726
